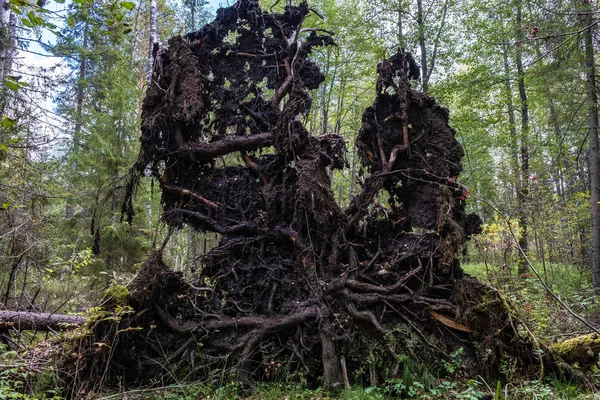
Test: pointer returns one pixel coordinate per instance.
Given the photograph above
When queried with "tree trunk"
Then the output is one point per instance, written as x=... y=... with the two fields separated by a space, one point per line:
x=80 y=93
x=153 y=38
x=594 y=158
x=400 y=32
x=514 y=138
x=421 y=27
x=69 y=210
x=135 y=35
x=581 y=349
x=436 y=42
x=511 y=115
x=7 y=45
x=28 y=321
x=8 y=23
x=11 y=279
x=524 y=191
x=553 y=120
x=193 y=15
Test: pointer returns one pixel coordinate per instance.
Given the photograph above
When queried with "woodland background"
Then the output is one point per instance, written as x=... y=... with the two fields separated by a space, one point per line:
x=516 y=75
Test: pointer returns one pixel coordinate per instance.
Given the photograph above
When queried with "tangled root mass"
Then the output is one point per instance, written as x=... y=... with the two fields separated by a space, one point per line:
x=298 y=286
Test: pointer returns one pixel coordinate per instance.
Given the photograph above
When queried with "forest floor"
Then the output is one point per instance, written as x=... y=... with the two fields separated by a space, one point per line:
x=541 y=315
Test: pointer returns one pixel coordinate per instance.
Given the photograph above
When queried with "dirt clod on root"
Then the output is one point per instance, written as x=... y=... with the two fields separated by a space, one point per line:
x=297 y=282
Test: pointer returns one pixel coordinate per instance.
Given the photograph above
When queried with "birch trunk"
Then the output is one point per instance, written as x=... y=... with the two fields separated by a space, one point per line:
x=421 y=25
x=153 y=38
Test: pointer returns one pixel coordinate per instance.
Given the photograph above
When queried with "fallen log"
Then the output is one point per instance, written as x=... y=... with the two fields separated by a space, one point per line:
x=581 y=349
x=29 y=321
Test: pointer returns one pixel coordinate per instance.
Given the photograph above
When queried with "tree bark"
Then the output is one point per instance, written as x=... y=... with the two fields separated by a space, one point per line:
x=421 y=27
x=581 y=349
x=69 y=210
x=135 y=35
x=7 y=38
x=28 y=321
x=511 y=114
x=8 y=23
x=554 y=123
x=436 y=42
x=590 y=68
x=80 y=93
x=193 y=14
x=524 y=190
x=11 y=279
x=153 y=38
x=400 y=31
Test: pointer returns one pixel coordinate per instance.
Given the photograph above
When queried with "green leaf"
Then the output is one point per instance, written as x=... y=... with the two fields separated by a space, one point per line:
x=119 y=16
x=71 y=21
x=6 y=205
x=130 y=5
x=12 y=85
x=13 y=141
x=8 y=122
x=27 y=23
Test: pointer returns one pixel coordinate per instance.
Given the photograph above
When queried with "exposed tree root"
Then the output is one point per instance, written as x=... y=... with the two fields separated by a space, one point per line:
x=297 y=284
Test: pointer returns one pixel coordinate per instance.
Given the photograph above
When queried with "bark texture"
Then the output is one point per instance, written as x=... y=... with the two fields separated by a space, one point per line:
x=28 y=321
x=594 y=155
x=523 y=194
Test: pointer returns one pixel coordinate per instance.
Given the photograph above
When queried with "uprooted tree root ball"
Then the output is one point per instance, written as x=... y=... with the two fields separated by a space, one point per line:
x=298 y=288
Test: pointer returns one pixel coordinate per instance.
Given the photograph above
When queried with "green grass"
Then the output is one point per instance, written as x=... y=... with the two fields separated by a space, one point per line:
x=469 y=390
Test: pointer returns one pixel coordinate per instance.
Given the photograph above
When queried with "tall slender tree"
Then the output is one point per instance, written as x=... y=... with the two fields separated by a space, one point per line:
x=592 y=99
x=523 y=192
x=153 y=37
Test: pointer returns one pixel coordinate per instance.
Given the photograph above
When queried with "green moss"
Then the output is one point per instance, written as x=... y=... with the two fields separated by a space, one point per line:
x=574 y=349
x=118 y=293
x=71 y=341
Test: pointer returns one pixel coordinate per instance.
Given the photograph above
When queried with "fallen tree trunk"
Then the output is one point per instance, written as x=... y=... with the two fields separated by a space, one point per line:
x=581 y=349
x=28 y=321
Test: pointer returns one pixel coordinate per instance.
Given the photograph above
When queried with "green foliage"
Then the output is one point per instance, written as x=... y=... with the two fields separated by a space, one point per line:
x=19 y=381
x=118 y=293
x=548 y=319
x=445 y=389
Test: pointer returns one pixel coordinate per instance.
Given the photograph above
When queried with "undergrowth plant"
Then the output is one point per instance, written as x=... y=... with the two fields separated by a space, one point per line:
x=546 y=318
x=24 y=380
